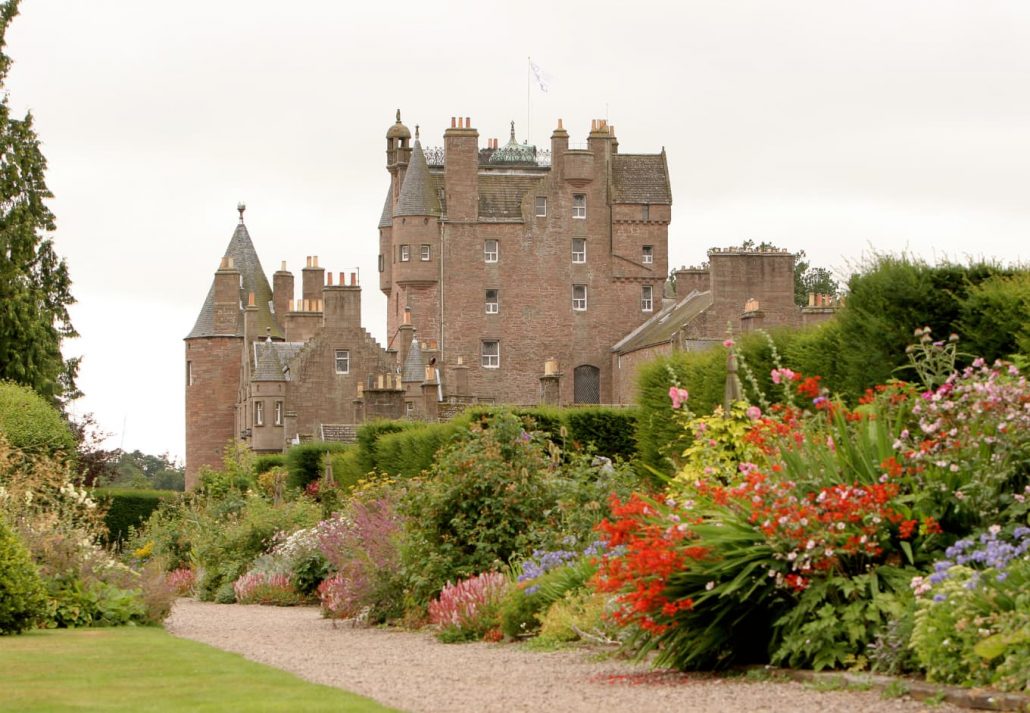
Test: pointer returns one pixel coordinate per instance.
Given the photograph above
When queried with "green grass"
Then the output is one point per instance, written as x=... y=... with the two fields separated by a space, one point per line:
x=146 y=669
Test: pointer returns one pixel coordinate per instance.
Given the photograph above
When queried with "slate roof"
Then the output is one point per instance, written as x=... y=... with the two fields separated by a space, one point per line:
x=414 y=366
x=501 y=194
x=640 y=178
x=661 y=328
x=386 y=219
x=271 y=358
x=418 y=194
x=245 y=259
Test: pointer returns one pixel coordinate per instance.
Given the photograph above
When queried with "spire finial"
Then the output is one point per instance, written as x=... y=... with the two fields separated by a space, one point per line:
x=241 y=206
x=416 y=132
x=398 y=116
x=513 y=130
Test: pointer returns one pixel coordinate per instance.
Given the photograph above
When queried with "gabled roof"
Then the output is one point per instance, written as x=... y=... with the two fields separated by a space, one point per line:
x=386 y=219
x=662 y=327
x=272 y=358
x=414 y=367
x=418 y=195
x=245 y=259
x=640 y=178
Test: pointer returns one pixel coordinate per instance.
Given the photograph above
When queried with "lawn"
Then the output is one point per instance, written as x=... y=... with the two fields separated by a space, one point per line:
x=146 y=669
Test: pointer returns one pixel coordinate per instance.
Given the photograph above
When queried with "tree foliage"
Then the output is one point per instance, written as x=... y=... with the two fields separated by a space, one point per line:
x=35 y=290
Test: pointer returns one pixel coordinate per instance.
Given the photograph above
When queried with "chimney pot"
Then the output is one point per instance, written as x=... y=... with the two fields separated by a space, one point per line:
x=468 y=122
x=250 y=299
x=560 y=124
x=452 y=122
x=329 y=279
x=283 y=266
x=354 y=279
x=290 y=306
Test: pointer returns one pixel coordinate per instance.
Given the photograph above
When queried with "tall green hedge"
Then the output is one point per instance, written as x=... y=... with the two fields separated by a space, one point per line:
x=31 y=424
x=407 y=453
x=304 y=461
x=266 y=462
x=129 y=507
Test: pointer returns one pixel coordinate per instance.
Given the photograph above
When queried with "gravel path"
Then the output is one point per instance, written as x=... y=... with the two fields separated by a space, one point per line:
x=414 y=672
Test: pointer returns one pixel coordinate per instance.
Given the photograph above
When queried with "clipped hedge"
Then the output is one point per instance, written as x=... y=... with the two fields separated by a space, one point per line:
x=265 y=463
x=411 y=451
x=368 y=437
x=304 y=461
x=129 y=507
x=31 y=424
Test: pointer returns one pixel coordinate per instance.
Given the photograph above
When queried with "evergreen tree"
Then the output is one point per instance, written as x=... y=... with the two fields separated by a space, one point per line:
x=35 y=290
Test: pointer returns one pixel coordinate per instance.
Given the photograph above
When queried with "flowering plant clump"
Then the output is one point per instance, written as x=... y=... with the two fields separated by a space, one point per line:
x=181 y=581
x=258 y=588
x=972 y=623
x=471 y=608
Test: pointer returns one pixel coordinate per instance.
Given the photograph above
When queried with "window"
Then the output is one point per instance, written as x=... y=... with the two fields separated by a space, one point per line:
x=491 y=354
x=579 y=250
x=278 y=413
x=490 y=250
x=409 y=408
x=382 y=264
x=424 y=253
x=492 y=306
x=259 y=413
x=648 y=256
x=189 y=373
x=645 y=213
x=646 y=298
x=541 y=206
x=405 y=253
x=579 y=206
x=342 y=361
x=579 y=297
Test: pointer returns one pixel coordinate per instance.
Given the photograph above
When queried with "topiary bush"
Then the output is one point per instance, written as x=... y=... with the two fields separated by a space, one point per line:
x=32 y=425
x=22 y=597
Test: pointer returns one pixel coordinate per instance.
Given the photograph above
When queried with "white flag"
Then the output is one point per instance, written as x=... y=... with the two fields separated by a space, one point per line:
x=542 y=77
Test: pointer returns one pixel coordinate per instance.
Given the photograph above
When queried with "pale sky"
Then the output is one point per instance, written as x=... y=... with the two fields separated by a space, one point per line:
x=837 y=128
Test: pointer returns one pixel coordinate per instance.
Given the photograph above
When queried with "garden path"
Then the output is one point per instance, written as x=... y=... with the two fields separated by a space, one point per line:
x=414 y=672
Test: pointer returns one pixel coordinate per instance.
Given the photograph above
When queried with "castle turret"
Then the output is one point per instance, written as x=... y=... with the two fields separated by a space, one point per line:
x=213 y=350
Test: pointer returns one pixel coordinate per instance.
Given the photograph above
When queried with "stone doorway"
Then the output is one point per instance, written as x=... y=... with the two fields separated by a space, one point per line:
x=586 y=385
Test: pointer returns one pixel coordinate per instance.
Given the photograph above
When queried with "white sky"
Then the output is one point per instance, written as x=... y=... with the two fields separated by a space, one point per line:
x=830 y=127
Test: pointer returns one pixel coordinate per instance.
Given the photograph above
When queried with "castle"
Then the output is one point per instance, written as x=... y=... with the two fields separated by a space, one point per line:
x=513 y=275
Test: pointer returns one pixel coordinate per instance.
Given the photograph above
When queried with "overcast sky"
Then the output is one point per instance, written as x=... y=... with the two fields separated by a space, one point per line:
x=837 y=128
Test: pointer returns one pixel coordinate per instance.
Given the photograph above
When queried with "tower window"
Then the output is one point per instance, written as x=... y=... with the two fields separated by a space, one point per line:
x=342 y=361
x=579 y=250
x=490 y=250
x=646 y=298
x=491 y=354
x=189 y=373
x=645 y=213
x=579 y=205
x=259 y=413
x=492 y=303
x=648 y=257
x=579 y=298
x=424 y=253
x=278 y=413
x=382 y=264
x=405 y=253
x=541 y=206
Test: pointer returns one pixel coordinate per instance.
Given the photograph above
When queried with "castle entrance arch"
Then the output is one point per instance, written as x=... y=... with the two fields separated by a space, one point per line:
x=586 y=384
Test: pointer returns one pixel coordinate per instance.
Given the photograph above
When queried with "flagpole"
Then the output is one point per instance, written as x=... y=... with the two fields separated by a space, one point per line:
x=529 y=65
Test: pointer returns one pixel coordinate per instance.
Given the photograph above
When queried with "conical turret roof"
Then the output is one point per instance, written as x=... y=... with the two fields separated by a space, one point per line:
x=386 y=219
x=245 y=259
x=417 y=195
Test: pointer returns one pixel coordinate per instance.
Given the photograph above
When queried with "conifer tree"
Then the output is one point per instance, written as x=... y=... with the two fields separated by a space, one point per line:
x=35 y=290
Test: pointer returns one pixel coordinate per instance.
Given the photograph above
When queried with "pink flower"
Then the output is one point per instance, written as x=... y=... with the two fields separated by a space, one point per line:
x=679 y=396
x=754 y=413
x=778 y=375
x=728 y=343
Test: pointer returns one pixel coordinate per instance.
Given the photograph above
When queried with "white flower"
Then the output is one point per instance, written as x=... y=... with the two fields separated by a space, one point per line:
x=810 y=545
x=710 y=586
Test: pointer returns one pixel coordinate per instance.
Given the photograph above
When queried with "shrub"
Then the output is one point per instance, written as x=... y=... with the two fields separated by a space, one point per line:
x=488 y=498
x=128 y=508
x=995 y=322
x=305 y=461
x=32 y=425
x=607 y=431
x=368 y=436
x=181 y=581
x=469 y=609
x=580 y=614
x=409 y=452
x=22 y=596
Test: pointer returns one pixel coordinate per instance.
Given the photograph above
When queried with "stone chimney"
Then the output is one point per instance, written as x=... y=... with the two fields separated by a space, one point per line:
x=282 y=292
x=227 y=298
x=312 y=279
x=461 y=170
